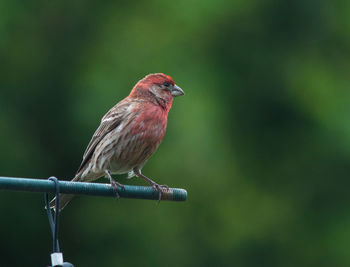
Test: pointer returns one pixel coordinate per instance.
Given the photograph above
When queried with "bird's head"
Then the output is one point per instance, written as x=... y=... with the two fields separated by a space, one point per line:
x=157 y=86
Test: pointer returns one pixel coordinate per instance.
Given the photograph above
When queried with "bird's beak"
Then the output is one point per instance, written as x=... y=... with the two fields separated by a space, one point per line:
x=177 y=91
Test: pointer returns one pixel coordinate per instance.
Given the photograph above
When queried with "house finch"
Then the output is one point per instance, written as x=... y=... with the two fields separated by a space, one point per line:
x=129 y=134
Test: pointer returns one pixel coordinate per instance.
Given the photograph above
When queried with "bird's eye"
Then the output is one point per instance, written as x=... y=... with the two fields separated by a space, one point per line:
x=166 y=84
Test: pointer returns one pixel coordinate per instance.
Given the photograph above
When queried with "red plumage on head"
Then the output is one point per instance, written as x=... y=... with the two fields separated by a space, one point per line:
x=146 y=89
x=156 y=78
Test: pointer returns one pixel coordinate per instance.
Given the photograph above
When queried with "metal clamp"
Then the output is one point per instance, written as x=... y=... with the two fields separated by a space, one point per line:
x=56 y=256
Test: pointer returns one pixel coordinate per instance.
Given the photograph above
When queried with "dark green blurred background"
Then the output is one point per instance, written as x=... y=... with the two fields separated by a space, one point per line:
x=261 y=140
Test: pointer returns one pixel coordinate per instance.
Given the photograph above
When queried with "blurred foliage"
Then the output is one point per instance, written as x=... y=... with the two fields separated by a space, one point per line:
x=261 y=140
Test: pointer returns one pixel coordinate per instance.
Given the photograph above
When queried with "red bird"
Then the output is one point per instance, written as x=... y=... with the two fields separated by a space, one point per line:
x=129 y=134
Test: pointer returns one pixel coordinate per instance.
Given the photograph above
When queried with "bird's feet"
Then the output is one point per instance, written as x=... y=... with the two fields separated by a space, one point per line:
x=160 y=188
x=115 y=185
x=154 y=185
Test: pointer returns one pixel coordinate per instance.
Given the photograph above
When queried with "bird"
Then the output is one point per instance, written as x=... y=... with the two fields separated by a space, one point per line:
x=128 y=135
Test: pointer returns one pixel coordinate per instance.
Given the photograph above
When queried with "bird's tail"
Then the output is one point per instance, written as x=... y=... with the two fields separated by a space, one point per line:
x=64 y=198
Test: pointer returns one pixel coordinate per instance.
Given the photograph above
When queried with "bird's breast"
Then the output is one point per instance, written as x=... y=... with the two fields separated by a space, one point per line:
x=150 y=124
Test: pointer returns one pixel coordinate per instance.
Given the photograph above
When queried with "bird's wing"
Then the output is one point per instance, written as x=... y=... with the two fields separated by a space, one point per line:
x=110 y=121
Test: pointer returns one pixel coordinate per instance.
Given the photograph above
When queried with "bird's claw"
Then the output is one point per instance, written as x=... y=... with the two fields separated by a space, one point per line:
x=115 y=185
x=164 y=186
x=160 y=189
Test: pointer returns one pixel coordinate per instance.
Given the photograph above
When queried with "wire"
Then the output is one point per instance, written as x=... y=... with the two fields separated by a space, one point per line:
x=54 y=222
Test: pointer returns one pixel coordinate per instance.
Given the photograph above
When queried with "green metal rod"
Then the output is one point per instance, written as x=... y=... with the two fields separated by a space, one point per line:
x=92 y=189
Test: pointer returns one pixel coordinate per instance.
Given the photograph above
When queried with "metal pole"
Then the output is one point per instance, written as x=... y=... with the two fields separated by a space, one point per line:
x=92 y=189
